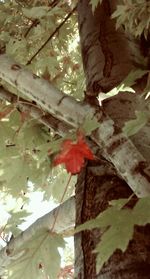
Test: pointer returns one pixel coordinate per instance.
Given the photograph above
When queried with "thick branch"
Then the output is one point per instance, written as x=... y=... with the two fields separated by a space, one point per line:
x=65 y=222
x=128 y=161
x=26 y=106
x=108 y=54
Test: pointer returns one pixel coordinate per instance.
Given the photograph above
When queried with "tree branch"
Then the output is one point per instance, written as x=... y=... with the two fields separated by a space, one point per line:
x=23 y=105
x=34 y=23
x=65 y=222
x=116 y=147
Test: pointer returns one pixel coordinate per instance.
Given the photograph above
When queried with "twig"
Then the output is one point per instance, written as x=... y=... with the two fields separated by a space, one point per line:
x=50 y=37
x=57 y=212
x=37 y=21
x=53 y=4
x=34 y=23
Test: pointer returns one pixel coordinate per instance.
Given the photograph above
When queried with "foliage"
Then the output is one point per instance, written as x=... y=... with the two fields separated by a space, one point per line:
x=58 y=177
x=43 y=36
x=94 y=4
x=24 y=142
x=117 y=226
x=126 y=85
x=59 y=60
x=134 y=16
x=133 y=126
x=40 y=257
x=89 y=124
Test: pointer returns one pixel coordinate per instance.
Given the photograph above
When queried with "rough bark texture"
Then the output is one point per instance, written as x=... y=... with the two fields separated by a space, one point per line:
x=108 y=56
x=98 y=184
x=115 y=145
x=126 y=105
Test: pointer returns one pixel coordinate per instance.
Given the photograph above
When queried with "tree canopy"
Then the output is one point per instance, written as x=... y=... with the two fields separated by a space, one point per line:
x=48 y=131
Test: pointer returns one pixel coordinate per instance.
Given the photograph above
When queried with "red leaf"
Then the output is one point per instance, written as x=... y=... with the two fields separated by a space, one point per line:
x=73 y=155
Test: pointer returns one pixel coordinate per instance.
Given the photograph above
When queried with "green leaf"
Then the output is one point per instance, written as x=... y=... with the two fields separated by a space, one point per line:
x=116 y=233
x=57 y=184
x=12 y=169
x=94 y=4
x=48 y=63
x=141 y=211
x=131 y=127
x=131 y=78
x=116 y=237
x=134 y=17
x=18 y=49
x=60 y=184
x=32 y=134
x=23 y=168
x=119 y=204
x=125 y=86
x=89 y=124
x=39 y=257
x=16 y=219
x=6 y=135
x=103 y=220
x=146 y=92
x=35 y=12
x=117 y=226
x=89 y=225
x=54 y=146
x=121 y=9
x=4 y=36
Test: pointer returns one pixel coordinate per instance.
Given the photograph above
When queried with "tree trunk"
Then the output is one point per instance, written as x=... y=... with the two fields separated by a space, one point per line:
x=108 y=56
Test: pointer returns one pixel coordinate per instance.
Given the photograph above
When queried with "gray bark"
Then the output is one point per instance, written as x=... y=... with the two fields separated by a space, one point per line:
x=115 y=146
x=65 y=222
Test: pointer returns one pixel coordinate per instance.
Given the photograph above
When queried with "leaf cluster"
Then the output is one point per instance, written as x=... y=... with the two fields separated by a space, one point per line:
x=26 y=29
x=134 y=15
x=39 y=257
x=117 y=226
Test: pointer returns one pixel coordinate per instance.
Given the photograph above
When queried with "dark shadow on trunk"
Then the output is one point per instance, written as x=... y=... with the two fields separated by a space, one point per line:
x=108 y=56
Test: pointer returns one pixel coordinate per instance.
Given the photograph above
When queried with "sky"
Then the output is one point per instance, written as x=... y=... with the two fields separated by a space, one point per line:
x=38 y=207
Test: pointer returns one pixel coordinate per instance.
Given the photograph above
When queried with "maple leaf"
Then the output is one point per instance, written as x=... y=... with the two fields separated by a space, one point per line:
x=73 y=155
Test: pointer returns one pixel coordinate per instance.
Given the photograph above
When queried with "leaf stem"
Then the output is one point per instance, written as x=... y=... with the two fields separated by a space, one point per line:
x=57 y=212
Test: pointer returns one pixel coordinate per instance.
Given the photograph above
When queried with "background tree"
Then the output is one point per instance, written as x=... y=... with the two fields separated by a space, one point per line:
x=99 y=118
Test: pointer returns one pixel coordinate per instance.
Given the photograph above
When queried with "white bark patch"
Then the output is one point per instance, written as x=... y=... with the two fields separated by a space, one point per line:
x=65 y=221
x=114 y=144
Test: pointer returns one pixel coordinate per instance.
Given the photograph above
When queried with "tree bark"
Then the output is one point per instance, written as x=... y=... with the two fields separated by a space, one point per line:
x=97 y=185
x=108 y=56
x=114 y=144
